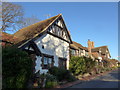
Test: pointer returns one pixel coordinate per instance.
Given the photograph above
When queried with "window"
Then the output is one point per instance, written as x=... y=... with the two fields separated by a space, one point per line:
x=47 y=61
x=73 y=52
x=62 y=62
x=86 y=53
x=81 y=51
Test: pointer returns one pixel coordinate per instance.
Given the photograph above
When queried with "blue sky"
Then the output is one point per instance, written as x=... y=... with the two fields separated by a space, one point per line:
x=85 y=20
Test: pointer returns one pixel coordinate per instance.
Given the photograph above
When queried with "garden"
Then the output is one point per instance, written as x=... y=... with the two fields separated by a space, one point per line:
x=84 y=66
x=17 y=69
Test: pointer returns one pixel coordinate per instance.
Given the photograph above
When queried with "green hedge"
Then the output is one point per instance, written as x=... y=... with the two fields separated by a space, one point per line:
x=17 y=68
x=81 y=65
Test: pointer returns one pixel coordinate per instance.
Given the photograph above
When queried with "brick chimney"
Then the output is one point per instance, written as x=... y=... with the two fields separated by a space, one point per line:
x=90 y=45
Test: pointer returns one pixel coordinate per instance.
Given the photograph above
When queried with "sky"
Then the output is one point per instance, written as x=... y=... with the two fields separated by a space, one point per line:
x=97 y=21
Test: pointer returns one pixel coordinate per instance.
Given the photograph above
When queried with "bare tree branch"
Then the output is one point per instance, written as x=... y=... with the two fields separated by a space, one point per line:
x=11 y=15
x=28 y=21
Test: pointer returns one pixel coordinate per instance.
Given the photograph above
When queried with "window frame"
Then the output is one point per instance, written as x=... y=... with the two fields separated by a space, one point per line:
x=63 y=59
x=48 y=65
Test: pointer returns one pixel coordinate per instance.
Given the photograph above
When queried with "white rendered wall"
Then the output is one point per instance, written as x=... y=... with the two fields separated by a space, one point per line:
x=52 y=46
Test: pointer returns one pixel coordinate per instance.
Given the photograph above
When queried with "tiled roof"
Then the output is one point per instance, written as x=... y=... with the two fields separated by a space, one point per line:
x=5 y=37
x=27 y=33
x=73 y=46
x=78 y=45
x=95 y=55
x=34 y=29
x=102 y=48
x=85 y=48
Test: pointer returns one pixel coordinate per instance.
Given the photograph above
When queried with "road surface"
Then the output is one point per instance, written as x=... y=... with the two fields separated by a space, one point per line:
x=110 y=80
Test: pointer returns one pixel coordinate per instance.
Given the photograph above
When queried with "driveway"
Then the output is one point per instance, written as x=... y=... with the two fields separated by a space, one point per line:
x=110 y=80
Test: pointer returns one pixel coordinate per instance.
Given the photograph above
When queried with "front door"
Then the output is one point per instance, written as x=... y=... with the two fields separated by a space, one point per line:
x=62 y=63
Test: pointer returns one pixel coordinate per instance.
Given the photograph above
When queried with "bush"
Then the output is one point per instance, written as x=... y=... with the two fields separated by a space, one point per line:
x=51 y=84
x=51 y=81
x=47 y=81
x=17 y=68
x=77 y=65
x=81 y=65
x=61 y=74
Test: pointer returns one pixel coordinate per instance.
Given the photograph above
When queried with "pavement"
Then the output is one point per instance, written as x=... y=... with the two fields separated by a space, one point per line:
x=108 y=80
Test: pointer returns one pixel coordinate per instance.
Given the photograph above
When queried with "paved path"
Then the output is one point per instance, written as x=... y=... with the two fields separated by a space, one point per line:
x=110 y=80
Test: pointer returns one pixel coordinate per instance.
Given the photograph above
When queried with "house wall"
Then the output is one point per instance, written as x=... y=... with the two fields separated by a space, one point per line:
x=52 y=46
x=82 y=52
x=86 y=54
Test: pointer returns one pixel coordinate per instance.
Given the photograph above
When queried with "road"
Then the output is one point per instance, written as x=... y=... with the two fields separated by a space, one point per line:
x=110 y=80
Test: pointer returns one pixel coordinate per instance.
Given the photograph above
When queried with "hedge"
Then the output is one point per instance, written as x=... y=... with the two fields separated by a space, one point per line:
x=81 y=65
x=17 y=68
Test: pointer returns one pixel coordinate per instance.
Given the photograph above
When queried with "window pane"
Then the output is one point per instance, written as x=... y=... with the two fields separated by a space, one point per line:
x=62 y=63
x=45 y=60
x=50 y=60
x=73 y=52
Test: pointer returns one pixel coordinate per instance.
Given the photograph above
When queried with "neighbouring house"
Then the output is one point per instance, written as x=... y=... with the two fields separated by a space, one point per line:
x=96 y=53
x=114 y=62
x=78 y=50
x=7 y=39
x=99 y=53
x=48 y=43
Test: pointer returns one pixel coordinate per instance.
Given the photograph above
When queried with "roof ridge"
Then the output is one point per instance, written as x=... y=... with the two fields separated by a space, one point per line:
x=99 y=47
x=51 y=21
x=6 y=33
x=34 y=30
x=37 y=23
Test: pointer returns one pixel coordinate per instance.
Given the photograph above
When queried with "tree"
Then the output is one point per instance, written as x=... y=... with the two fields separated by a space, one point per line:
x=28 y=21
x=11 y=15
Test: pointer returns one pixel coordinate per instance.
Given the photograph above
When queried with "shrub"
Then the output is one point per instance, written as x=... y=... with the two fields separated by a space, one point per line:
x=77 y=65
x=51 y=81
x=17 y=68
x=61 y=74
x=47 y=81
x=51 y=84
x=81 y=65
x=90 y=64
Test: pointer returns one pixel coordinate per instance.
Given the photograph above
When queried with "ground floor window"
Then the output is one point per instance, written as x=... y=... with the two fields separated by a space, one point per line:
x=62 y=62
x=47 y=61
